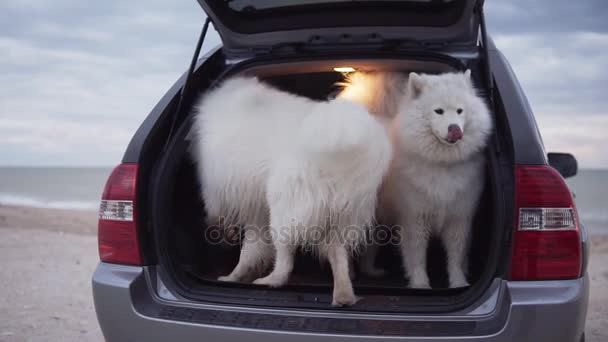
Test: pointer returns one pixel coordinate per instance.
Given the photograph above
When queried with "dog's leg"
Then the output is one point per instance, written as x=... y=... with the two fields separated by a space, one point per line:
x=414 y=243
x=256 y=255
x=283 y=266
x=367 y=262
x=343 y=288
x=283 y=236
x=455 y=238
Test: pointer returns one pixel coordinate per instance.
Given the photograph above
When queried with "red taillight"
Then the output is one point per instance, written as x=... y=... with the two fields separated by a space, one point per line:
x=117 y=230
x=546 y=243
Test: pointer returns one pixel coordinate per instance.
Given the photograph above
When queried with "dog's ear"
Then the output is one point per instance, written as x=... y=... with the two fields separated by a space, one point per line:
x=468 y=81
x=415 y=84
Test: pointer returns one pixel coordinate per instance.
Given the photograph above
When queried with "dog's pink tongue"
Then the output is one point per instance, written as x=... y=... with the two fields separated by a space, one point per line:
x=454 y=133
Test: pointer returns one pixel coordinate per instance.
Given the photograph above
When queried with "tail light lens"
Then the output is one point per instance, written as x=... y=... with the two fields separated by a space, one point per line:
x=117 y=230
x=547 y=243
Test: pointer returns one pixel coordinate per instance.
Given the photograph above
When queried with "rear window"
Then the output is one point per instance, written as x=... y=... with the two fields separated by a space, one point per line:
x=255 y=16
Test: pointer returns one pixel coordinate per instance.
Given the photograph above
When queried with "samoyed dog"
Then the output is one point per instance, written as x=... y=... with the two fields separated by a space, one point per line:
x=439 y=128
x=293 y=173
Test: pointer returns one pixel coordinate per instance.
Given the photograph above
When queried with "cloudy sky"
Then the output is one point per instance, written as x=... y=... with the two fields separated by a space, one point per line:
x=78 y=77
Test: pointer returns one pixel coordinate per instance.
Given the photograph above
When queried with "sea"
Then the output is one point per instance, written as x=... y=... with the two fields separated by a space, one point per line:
x=80 y=189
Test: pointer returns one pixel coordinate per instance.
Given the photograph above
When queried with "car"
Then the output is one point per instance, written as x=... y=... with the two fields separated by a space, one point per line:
x=159 y=261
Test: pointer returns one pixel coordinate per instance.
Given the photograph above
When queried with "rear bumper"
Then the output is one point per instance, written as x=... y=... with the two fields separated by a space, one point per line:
x=129 y=309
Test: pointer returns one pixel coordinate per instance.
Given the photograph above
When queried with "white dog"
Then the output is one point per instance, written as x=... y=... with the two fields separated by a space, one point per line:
x=439 y=129
x=307 y=172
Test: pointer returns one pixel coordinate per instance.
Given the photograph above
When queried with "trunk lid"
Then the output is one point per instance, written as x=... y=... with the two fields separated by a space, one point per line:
x=259 y=26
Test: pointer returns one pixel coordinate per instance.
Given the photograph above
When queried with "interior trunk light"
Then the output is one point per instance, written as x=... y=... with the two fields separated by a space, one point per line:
x=344 y=70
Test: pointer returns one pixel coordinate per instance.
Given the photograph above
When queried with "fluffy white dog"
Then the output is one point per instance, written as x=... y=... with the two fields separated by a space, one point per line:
x=439 y=128
x=305 y=172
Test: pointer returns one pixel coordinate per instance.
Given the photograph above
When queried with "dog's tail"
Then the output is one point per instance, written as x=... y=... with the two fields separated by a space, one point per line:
x=379 y=92
x=342 y=132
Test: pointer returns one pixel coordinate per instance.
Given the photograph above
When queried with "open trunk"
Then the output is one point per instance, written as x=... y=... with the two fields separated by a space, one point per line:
x=191 y=259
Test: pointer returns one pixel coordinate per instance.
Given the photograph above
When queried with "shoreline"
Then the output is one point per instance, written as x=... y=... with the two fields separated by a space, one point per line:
x=75 y=221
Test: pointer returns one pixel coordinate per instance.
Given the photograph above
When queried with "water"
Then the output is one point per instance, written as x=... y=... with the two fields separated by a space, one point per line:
x=60 y=188
x=80 y=188
x=591 y=190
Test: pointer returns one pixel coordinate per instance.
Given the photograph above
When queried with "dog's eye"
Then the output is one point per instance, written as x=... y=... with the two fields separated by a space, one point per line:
x=439 y=111
x=459 y=111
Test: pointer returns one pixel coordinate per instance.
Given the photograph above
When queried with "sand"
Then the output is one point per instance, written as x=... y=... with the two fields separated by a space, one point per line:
x=80 y=222
x=47 y=257
x=597 y=315
x=45 y=275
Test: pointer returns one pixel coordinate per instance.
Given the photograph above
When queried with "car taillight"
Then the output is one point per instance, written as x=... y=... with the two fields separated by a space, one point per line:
x=117 y=230
x=547 y=242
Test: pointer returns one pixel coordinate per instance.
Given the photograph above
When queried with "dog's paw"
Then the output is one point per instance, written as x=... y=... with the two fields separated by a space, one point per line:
x=419 y=284
x=228 y=278
x=459 y=283
x=457 y=278
x=344 y=298
x=271 y=281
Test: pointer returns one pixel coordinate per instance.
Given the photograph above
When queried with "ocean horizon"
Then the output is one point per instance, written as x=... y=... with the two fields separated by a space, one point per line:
x=77 y=188
x=80 y=188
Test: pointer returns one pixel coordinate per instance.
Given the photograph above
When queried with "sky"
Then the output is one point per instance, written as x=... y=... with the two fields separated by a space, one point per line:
x=78 y=77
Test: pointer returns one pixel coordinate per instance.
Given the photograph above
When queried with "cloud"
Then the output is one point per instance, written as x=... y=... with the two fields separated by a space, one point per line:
x=560 y=77
x=584 y=137
x=76 y=81
x=77 y=78
x=543 y=16
x=74 y=100
x=559 y=52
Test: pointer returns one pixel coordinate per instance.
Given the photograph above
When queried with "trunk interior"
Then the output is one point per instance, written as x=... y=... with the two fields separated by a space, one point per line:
x=192 y=259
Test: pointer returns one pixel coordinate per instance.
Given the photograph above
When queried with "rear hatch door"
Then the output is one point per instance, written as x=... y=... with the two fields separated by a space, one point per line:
x=258 y=26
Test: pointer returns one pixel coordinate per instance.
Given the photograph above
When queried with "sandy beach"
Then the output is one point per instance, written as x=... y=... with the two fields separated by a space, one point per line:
x=47 y=257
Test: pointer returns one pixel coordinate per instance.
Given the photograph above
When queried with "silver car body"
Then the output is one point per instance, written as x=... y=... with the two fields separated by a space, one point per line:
x=133 y=304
